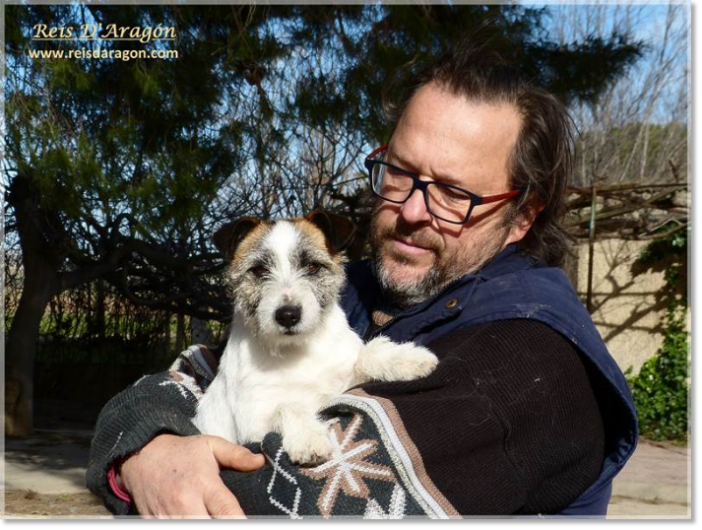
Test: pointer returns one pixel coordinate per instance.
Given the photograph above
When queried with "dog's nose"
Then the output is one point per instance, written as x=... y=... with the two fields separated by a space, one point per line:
x=288 y=315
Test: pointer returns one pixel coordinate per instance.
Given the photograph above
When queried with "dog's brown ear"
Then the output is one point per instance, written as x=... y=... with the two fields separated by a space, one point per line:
x=338 y=230
x=228 y=238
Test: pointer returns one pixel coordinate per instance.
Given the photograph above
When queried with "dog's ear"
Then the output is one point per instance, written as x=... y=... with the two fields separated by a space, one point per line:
x=338 y=230
x=228 y=238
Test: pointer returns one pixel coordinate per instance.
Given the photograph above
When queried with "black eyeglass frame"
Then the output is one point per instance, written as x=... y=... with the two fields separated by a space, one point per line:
x=423 y=186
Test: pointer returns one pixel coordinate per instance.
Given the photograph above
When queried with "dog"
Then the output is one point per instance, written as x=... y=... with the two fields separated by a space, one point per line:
x=290 y=348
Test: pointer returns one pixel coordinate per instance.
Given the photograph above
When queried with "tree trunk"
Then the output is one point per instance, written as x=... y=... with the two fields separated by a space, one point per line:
x=22 y=339
x=167 y=333
x=40 y=283
x=180 y=332
x=44 y=242
x=100 y=310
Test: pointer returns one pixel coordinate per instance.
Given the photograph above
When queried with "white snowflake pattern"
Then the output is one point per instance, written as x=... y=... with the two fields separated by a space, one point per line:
x=348 y=467
x=396 y=510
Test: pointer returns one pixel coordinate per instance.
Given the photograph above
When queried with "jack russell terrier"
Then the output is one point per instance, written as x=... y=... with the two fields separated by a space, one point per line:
x=290 y=348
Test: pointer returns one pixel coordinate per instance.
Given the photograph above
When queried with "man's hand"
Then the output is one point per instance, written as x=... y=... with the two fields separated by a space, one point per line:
x=178 y=476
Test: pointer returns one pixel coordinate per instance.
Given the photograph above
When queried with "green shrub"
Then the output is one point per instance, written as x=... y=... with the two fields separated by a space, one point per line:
x=661 y=389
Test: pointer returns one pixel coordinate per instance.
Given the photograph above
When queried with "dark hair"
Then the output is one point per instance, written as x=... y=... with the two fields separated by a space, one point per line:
x=542 y=160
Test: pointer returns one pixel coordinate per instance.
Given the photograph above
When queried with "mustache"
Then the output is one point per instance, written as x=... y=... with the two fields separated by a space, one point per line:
x=421 y=237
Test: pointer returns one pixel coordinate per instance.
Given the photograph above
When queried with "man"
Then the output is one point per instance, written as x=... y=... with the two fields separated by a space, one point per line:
x=526 y=413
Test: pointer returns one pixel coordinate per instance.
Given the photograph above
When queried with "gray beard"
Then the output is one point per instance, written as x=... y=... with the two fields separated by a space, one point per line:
x=399 y=297
x=402 y=296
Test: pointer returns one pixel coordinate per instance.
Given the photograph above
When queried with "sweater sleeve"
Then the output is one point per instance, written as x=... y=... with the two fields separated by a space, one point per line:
x=155 y=404
x=507 y=424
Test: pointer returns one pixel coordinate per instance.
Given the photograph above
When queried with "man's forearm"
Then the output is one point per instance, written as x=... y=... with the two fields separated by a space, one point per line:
x=155 y=404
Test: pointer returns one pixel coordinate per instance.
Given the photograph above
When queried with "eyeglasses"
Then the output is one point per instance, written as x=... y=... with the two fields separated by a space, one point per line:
x=444 y=201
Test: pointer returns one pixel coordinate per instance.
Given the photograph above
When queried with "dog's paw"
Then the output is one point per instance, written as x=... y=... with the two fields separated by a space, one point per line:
x=384 y=360
x=311 y=448
x=408 y=361
x=412 y=362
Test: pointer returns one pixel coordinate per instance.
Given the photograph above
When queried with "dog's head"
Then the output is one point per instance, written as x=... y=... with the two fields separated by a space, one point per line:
x=285 y=275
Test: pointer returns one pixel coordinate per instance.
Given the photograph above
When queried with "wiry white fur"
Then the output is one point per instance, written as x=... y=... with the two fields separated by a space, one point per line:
x=288 y=286
x=266 y=385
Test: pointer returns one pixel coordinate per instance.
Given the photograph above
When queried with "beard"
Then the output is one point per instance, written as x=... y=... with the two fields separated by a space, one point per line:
x=447 y=266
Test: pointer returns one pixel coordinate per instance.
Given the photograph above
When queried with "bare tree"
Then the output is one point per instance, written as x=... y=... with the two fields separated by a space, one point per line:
x=636 y=130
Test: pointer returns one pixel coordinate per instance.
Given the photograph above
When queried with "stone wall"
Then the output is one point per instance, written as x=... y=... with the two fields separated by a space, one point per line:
x=629 y=312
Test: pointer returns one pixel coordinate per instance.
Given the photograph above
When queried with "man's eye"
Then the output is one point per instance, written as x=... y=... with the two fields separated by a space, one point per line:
x=395 y=171
x=258 y=270
x=454 y=195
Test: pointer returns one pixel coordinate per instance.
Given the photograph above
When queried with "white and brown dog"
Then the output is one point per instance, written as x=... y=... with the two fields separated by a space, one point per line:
x=290 y=348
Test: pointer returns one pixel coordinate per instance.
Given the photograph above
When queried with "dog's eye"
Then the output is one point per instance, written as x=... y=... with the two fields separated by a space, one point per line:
x=313 y=268
x=258 y=271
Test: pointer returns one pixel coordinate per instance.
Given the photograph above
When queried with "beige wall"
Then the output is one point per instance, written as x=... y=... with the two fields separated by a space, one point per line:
x=629 y=312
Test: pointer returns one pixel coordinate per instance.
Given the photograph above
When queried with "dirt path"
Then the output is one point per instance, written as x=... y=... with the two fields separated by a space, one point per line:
x=31 y=504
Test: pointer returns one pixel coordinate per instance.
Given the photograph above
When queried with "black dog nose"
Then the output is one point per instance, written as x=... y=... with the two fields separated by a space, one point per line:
x=288 y=315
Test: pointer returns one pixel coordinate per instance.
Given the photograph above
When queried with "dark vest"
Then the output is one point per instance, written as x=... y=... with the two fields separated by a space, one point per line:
x=516 y=286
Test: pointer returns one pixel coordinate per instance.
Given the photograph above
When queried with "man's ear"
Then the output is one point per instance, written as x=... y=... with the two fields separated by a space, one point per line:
x=528 y=217
x=228 y=238
x=525 y=220
x=338 y=230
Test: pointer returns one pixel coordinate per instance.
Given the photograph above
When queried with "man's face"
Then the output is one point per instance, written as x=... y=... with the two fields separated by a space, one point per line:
x=446 y=138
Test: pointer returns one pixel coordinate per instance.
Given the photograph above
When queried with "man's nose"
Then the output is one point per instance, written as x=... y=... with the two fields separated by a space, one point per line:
x=414 y=209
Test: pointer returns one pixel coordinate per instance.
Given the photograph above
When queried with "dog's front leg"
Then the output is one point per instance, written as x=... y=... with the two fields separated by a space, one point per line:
x=384 y=360
x=305 y=436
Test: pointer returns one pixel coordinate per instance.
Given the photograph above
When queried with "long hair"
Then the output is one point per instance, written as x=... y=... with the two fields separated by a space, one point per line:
x=542 y=160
